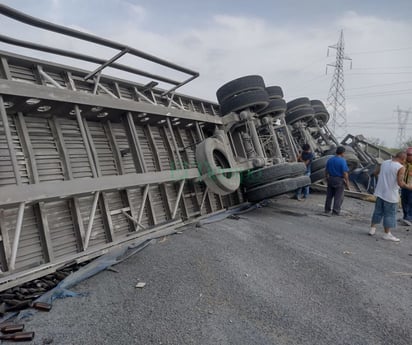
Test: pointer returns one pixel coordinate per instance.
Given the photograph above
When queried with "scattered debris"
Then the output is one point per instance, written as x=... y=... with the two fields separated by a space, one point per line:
x=19 y=336
x=347 y=252
x=12 y=328
x=164 y=239
x=23 y=296
x=402 y=274
x=405 y=222
x=41 y=306
x=111 y=269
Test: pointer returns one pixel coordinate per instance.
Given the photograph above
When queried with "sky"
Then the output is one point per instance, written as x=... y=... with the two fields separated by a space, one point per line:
x=286 y=42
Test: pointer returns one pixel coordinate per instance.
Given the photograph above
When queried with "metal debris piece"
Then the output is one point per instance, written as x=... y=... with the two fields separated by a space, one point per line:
x=402 y=274
x=140 y=285
x=111 y=269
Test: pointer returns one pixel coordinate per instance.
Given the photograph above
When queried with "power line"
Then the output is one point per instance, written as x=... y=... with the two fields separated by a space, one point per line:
x=381 y=51
x=376 y=85
x=368 y=68
x=389 y=93
x=378 y=73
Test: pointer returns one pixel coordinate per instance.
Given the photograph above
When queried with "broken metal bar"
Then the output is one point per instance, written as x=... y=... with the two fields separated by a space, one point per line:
x=204 y=198
x=142 y=206
x=107 y=63
x=50 y=79
x=135 y=222
x=179 y=195
x=105 y=89
x=149 y=86
x=91 y=220
x=96 y=83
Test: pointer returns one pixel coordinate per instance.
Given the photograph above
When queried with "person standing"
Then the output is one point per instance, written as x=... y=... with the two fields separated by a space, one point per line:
x=387 y=195
x=337 y=177
x=306 y=156
x=406 y=194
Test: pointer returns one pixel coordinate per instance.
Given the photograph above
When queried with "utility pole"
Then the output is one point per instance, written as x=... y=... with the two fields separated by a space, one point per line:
x=403 y=116
x=336 y=98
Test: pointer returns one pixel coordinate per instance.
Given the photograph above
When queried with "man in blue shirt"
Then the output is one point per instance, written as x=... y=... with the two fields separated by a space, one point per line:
x=337 y=177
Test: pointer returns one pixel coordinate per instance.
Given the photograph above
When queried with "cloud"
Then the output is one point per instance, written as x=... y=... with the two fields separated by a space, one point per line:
x=226 y=46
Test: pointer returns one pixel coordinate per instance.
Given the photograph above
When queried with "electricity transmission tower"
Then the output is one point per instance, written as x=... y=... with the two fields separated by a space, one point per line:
x=336 y=98
x=403 y=116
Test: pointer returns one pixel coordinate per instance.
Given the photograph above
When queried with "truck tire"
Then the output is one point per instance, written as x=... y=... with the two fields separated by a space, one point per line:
x=211 y=157
x=274 y=92
x=317 y=176
x=317 y=104
x=239 y=85
x=304 y=113
x=320 y=163
x=275 y=106
x=322 y=116
x=255 y=100
x=276 y=188
x=297 y=103
x=254 y=178
x=321 y=113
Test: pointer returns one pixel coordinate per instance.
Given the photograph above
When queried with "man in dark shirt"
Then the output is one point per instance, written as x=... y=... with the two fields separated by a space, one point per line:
x=406 y=194
x=306 y=157
x=337 y=177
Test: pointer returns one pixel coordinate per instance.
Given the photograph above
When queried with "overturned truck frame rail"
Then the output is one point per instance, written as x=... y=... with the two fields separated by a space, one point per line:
x=88 y=161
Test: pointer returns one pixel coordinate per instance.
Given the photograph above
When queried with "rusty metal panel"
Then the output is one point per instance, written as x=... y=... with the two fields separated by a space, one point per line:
x=23 y=73
x=58 y=77
x=30 y=251
x=121 y=225
x=189 y=145
x=135 y=197
x=99 y=232
x=61 y=227
x=7 y=176
x=75 y=146
x=22 y=160
x=191 y=199
x=146 y=150
x=161 y=147
x=81 y=85
x=158 y=204
x=122 y=141
x=106 y=160
x=46 y=155
x=126 y=92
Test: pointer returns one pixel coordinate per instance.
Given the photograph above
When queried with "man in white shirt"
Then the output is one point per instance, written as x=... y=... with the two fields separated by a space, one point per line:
x=387 y=195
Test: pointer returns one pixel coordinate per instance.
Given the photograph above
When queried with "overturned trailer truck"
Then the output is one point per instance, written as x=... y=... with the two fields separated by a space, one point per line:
x=89 y=161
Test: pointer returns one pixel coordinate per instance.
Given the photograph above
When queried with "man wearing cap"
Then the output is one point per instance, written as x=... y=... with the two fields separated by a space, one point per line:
x=406 y=194
x=337 y=177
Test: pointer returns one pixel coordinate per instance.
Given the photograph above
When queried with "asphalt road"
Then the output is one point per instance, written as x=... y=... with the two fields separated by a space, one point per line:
x=281 y=274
